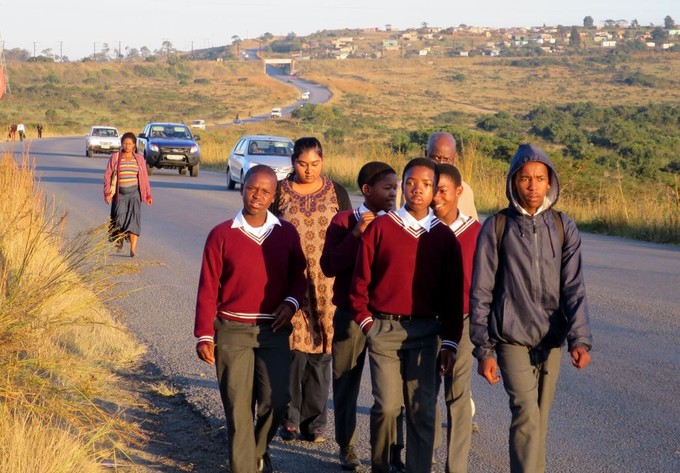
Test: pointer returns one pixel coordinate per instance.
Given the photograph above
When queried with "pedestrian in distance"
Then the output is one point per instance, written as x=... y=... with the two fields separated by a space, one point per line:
x=126 y=186
x=378 y=184
x=39 y=127
x=407 y=292
x=527 y=298
x=309 y=200
x=21 y=129
x=457 y=385
x=252 y=282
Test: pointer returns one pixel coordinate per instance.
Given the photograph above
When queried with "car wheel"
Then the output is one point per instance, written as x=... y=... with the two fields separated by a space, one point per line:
x=231 y=184
x=88 y=153
x=182 y=171
x=193 y=170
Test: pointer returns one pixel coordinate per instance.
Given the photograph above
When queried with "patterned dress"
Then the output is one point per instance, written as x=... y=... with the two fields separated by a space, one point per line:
x=310 y=215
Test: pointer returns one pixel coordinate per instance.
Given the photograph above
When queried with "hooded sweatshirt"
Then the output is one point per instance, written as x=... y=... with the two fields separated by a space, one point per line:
x=531 y=291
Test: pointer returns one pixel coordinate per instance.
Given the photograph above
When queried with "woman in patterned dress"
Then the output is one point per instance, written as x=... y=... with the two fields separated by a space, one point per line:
x=131 y=187
x=309 y=200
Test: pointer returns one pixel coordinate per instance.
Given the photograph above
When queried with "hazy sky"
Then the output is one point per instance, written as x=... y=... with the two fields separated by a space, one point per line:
x=82 y=26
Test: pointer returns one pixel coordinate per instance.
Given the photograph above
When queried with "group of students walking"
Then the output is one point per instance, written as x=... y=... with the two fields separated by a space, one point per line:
x=298 y=288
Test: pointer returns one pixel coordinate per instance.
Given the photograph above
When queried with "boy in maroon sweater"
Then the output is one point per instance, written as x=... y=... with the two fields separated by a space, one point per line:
x=457 y=385
x=378 y=184
x=407 y=291
x=252 y=281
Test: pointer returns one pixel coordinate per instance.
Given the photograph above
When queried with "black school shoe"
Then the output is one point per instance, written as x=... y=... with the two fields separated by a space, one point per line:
x=288 y=434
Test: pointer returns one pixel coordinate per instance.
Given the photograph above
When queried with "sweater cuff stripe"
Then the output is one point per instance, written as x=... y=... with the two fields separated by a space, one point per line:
x=449 y=345
x=293 y=301
x=205 y=338
x=366 y=321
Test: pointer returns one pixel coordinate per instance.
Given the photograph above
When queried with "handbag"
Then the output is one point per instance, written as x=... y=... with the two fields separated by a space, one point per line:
x=114 y=178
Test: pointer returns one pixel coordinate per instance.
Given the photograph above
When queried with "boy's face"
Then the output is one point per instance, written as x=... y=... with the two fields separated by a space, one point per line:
x=445 y=201
x=258 y=194
x=419 y=183
x=381 y=195
x=531 y=183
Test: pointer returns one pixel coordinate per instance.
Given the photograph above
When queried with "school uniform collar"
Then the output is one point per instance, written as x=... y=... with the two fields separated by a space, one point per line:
x=363 y=209
x=459 y=221
x=410 y=222
x=257 y=232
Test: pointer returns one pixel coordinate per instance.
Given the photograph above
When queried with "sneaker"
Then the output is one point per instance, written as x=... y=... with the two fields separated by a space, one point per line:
x=475 y=427
x=348 y=459
x=264 y=464
x=396 y=464
x=289 y=433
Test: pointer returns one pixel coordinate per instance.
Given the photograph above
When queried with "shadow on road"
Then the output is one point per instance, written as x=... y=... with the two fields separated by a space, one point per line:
x=68 y=169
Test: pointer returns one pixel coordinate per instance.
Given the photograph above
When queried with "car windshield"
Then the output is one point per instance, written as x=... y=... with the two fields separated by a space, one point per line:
x=271 y=147
x=174 y=132
x=197 y=122
x=105 y=132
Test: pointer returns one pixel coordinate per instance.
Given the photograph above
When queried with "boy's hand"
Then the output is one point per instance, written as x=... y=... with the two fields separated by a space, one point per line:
x=488 y=369
x=580 y=357
x=206 y=352
x=107 y=199
x=447 y=359
x=283 y=313
x=364 y=220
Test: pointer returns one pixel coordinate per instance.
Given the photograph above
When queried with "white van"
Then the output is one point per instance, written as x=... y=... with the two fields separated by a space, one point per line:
x=276 y=112
x=200 y=124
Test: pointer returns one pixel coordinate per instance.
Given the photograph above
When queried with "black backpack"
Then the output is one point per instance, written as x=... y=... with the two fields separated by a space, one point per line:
x=500 y=221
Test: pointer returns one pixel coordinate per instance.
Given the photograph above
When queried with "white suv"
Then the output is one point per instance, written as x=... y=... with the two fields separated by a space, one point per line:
x=276 y=112
x=200 y=124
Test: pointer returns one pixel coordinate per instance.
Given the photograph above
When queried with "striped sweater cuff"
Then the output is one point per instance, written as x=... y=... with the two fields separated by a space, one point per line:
x=449 y=345
x=366 y=324
x=205 y=338
x=293 y=301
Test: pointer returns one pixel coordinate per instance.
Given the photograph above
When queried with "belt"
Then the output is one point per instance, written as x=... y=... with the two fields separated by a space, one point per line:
x=401 y=318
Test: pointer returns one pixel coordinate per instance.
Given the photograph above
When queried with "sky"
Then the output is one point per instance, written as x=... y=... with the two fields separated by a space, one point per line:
x=78 y=28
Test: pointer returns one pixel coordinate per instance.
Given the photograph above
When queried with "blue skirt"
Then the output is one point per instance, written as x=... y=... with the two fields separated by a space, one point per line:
x=126 y=213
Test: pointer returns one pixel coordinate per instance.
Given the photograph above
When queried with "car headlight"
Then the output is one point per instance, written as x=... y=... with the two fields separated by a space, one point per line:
x=154 y=148
x=194 y=149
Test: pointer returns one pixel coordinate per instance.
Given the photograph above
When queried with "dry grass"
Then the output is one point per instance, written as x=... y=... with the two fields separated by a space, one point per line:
x=60 y=348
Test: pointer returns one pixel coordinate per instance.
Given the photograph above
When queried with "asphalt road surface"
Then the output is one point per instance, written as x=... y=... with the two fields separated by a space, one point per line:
x=619 y=415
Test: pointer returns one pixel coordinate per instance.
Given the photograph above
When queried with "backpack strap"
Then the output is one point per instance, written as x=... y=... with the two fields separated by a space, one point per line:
x=559 y=223
x=499 y=222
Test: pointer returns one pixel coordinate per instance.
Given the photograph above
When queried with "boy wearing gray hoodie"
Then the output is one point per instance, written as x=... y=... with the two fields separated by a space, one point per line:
x=527 y=298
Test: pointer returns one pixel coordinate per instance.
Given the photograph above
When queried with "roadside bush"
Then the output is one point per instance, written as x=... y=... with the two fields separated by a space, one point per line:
x=202 y=81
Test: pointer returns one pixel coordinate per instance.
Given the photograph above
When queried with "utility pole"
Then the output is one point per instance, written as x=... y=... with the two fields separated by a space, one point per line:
x=192 y=50
x=61 y=51
x=120 y=53
x=34 y=43
x=94 y=51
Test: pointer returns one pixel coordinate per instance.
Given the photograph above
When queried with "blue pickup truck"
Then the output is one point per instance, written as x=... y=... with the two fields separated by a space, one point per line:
x=169 y=145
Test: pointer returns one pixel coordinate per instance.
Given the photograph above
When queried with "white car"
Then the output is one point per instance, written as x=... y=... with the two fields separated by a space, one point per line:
x=101 y=139
x=200 y=124
x=272 y=151
x=276 y=112
x=305 y=95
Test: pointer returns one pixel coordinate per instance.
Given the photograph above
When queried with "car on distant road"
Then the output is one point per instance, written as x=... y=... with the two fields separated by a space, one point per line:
x=305 y=95
x=169 y=145
x=101 y=139
x=200 y=124
x=276 y=112
x=251 y=150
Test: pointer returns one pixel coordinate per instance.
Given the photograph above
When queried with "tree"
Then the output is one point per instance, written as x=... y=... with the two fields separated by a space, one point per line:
x=668 y=22
x=588 y=22
x=609 y=23
x=574 y=38
x=658 y=34
x=236 y=41
x=634 y=23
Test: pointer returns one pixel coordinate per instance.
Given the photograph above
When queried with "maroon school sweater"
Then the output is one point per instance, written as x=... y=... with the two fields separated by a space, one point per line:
x=400 y=271
x=340 y=253
x=245 y=279
x=467 y=237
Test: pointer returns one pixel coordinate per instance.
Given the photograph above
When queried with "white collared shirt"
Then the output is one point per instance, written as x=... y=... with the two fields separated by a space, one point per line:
x=258 y=232
x=410 y=221
x=363 y=209
x=459 y=221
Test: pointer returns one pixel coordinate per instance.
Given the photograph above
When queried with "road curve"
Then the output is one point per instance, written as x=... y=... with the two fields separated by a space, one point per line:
x=620 y=415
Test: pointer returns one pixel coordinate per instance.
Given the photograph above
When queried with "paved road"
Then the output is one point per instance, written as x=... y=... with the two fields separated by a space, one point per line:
x=621 y=415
